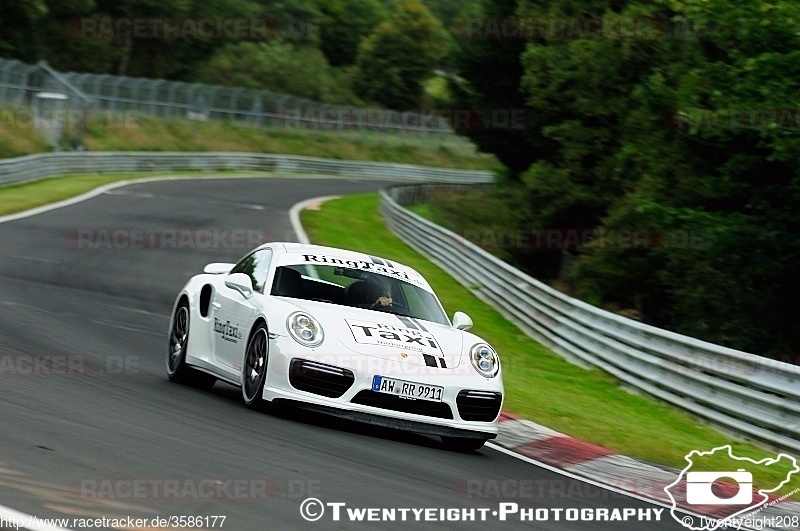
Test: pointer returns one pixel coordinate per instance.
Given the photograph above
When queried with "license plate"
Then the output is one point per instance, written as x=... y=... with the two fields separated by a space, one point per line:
x=404 y=389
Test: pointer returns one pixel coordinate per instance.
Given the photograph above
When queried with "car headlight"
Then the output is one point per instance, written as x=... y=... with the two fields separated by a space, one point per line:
x=305 y=329
x=485 y=360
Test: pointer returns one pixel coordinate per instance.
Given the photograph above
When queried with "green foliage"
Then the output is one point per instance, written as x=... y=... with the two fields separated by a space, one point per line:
x=634 y=131
x=447 y=11
x=344 y=24
x=15 y=20
x=489 y=73
x=437 y=93
x=281 y=67
x=90 y=35
x=148 y=133
x=308 y=47
x=397 y=58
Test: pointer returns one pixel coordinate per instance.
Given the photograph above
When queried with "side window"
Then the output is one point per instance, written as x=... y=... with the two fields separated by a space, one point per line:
x=256 y=266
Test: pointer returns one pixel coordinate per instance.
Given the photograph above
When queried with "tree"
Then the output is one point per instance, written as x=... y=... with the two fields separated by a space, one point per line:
x=446 y=11
x=16 y=20
x=724 y=171
x=676 y=118
x=344 y=23
x=394 y=61
x=301 y=71
x=131 y=38
x=489 y=73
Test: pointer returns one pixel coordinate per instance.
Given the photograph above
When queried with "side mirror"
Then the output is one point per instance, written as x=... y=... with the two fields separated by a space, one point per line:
x=241 y=283
x=462 y=321
x=217 y=268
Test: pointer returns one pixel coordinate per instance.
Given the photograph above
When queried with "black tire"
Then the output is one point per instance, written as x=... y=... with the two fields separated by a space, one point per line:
x=463 y=444
x=177 y=370
x=254 y=367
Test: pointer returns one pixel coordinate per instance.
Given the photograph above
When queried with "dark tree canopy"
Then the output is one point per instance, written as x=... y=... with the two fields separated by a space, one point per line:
x=673 y=117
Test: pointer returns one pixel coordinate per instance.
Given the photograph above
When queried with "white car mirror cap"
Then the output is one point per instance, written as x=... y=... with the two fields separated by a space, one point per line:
x=217 y=268
x=462 y=321
x=241 y=283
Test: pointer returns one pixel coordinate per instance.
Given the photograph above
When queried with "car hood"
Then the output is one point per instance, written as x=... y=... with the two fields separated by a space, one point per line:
x=389 y=336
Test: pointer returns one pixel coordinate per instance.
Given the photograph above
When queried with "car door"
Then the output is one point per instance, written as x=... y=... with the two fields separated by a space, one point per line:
x=234 y=312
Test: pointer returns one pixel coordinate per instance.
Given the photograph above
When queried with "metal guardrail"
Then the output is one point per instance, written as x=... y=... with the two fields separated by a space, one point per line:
x=32 y=167
x=200 y=101
x=752 y=396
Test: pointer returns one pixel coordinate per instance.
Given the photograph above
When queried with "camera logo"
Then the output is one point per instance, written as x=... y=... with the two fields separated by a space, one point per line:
x=705 y=499
x=699 y=488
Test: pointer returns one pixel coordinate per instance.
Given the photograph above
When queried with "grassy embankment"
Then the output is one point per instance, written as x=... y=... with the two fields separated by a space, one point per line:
x=151 y=134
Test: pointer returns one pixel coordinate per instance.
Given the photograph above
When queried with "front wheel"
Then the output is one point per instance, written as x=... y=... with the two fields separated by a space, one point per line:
x=177 y=370
x=463 y=444
x=254 y=368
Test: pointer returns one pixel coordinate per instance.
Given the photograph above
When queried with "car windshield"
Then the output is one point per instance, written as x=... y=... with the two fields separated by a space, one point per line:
x=358 y=289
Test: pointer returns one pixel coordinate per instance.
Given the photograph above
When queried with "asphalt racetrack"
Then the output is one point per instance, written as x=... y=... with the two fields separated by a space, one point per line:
x=91 y=427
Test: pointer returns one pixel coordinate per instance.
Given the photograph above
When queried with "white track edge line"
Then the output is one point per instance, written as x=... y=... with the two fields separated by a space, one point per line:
x=594 y=482
x=294 y=215
x=94 y=192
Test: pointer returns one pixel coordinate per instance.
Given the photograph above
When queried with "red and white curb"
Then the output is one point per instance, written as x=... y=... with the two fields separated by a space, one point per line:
x=603 y=466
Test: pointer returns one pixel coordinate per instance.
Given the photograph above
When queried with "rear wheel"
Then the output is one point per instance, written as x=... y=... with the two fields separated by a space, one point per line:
x=254 y=368
x=177 y=370
x=463 y=444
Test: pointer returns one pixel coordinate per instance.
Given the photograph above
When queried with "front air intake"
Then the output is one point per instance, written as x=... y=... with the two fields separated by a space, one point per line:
x=481 y=406
x=319 y=378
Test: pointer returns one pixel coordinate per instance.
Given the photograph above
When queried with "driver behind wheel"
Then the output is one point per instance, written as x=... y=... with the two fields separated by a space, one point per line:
x=379 y=293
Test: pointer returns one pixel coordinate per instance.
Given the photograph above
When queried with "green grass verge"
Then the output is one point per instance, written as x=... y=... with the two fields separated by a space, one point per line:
x=24 y=196
x=541 y=385
x=148 y=133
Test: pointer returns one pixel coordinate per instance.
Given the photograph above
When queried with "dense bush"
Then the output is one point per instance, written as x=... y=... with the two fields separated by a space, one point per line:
x=687 y=128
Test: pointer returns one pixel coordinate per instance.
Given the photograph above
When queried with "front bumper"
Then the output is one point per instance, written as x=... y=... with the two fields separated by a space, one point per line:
x=341 y=385
x=389 y=422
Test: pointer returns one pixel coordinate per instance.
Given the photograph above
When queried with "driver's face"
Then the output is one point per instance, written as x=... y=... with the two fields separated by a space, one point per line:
x=377 y=289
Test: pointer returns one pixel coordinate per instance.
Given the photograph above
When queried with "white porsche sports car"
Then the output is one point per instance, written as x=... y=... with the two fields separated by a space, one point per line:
x=340 y=332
